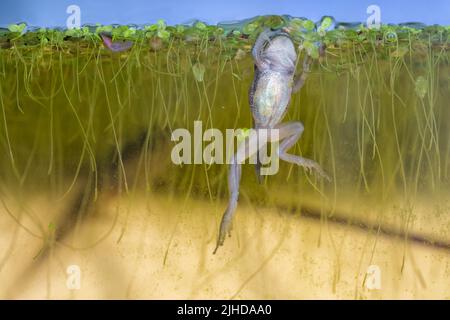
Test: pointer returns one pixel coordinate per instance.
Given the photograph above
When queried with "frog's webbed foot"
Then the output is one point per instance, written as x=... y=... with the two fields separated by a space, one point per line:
x=289 y=134
x=309 y=165
x=115 y=46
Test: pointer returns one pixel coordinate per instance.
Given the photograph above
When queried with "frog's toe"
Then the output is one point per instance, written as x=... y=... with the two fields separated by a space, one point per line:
x=221 y=241
x=321 y=172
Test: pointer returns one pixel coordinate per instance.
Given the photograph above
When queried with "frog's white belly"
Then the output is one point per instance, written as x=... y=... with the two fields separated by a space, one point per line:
x=271 y=97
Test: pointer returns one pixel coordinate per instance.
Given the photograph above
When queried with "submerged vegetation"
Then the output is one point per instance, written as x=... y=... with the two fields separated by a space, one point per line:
x=76 y=116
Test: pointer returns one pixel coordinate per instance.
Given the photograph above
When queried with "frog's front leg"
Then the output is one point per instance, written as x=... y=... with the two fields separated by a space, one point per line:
x=299 y=81
x=289 y=133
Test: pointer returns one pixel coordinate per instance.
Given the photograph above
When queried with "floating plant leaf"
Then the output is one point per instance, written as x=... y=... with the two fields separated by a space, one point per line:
x=308 y=25
x=42 y=36
x=180 y=28
x=19 y=28
x=249 y=28
x=199 y=71
x=200 y=25
x=296 y=29
x=163 y=34
x=219 y=31
x=421 y=86
x=85 y=31
x=129 y=32
x=326 y=23
x=161 y=24
x=311 y=49
x=123 y=32
x=390 y=36
x=296 y=24
x=72 y=32
x=300 y=29
x=101 y=29
x=152 y=27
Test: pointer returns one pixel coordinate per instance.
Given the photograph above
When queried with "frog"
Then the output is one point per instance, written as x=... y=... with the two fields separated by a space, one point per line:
x=274 y=82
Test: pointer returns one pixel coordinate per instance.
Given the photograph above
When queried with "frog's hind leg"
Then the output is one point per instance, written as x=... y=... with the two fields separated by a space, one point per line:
x=234 y=179
x=258 y=169
x=245 y=150
x=258 y=163
x=289 y=133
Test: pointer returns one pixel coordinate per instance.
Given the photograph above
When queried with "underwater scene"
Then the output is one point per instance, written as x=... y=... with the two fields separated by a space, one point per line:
x=127 y=169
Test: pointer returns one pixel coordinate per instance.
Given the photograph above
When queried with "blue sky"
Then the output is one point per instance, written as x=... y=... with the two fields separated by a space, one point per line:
x=50 y=13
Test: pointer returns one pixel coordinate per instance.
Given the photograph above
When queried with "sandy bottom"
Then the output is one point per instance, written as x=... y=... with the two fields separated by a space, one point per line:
x=161 y=248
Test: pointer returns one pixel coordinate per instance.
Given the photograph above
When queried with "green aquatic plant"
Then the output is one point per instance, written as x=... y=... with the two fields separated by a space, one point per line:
x=76 y=117
x=103 y=29
x=199 y=71
x=17 y=28
x=200 y=26
x=309 y=25
x=77 y=32
x=238 y=34
x=250 y=28
x=324 y=26
x=160 y=30
x=421 y=86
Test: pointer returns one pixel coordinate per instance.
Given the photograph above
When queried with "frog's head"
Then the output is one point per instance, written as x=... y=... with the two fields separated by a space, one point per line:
x=279 y=51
